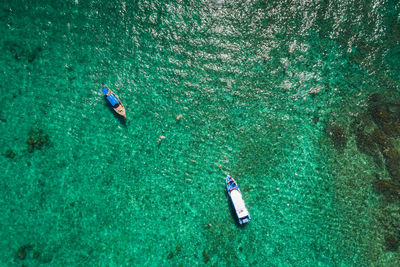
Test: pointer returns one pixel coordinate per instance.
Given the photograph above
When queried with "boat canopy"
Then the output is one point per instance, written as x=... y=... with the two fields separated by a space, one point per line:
x=113 y=100
x=105 y=90
x=238 y=203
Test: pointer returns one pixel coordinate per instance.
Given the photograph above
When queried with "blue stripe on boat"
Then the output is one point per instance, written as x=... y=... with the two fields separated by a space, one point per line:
x=105 y=90
x=113 y=100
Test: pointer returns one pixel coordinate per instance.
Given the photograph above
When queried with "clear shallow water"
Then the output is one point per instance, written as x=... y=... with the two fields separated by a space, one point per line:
x=102 y=191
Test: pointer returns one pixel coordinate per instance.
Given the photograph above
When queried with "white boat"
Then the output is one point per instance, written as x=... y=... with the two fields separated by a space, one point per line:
x=237 y=200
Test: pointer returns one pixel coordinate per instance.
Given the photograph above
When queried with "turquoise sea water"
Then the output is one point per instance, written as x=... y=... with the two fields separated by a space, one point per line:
x=298 y=100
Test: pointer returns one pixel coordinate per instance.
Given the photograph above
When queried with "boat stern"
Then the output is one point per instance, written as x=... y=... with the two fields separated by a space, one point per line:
x=244 y=220
x=240 y=207
x=120 y=110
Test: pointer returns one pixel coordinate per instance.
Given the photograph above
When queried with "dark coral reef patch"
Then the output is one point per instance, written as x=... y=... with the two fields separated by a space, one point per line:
x=23 y=51
x=392 y=160
x=391 y=242
x=383 y=116
x=337 y=135
x=378 y=135
x=37 y=139
x=388 y=188
x=366 y=144
x=10 y=154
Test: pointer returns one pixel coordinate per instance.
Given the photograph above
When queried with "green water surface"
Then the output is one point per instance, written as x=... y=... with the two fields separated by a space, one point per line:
x=274 y=93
